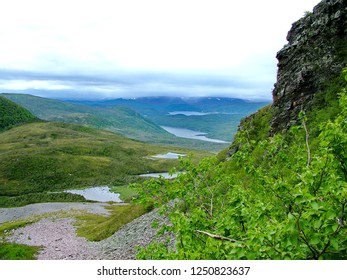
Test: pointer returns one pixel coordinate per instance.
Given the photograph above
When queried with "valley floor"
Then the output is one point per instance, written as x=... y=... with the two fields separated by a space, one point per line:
x=57 y=234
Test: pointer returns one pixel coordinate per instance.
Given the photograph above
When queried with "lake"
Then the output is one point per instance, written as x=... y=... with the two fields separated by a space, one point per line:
x=188 y=113
x=190 y=134
x=101 y=194
x=194 y=113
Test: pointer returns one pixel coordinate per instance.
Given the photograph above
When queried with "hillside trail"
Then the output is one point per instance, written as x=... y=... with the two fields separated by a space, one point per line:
x=59 y=241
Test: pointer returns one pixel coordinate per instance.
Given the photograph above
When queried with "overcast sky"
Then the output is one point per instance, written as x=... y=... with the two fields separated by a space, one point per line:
x=129 y=48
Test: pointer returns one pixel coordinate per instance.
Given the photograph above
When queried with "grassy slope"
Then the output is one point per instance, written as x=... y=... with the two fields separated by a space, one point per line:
x=41 y=157
x=97 y=227
x=12 y=114
x=118 y=119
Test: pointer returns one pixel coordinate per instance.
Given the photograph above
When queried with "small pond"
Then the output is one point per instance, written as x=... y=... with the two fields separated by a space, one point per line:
x=101 y=194
x=169 y=156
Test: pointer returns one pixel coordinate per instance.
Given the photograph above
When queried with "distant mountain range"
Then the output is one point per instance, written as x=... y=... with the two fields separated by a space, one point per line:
x=143 y=118
x=153 y=105
x=218 y=117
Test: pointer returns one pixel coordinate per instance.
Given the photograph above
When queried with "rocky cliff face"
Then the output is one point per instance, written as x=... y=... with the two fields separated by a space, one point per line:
x=316 y=51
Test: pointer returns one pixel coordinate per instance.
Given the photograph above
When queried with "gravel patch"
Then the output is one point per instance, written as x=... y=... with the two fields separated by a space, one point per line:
x=10 y=214
x=58 y=239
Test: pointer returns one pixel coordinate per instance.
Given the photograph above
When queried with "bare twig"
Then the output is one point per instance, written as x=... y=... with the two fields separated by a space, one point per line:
x=307 y=144
x=219 y=237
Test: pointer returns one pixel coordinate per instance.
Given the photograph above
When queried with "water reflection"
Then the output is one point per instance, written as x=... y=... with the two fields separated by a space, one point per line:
x=191 y=134
x=188 y=113
x=169 y=156
x=101 y=194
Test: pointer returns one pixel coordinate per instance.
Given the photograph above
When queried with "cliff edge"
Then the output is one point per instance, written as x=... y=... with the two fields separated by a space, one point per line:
x=316 y=52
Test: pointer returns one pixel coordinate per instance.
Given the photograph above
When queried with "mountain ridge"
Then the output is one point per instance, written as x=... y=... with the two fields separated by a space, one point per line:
x=200 y=104
x=113 y=119
x=143 y=119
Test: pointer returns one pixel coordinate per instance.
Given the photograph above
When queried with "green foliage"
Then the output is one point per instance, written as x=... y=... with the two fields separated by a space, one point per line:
x=277 y=197
x=326 y=105
x=12 y=114
x=10 y=251
x=255 y=127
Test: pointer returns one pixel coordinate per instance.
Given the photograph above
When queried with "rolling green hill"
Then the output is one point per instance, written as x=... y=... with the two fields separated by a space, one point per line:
x=118 y=119
x=12 y=114
x=44 y=157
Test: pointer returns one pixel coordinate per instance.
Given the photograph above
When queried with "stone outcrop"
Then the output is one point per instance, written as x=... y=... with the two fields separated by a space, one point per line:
x=316 y=52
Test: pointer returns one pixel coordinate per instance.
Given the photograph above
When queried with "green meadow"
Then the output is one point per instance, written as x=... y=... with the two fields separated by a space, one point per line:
x=39 y=160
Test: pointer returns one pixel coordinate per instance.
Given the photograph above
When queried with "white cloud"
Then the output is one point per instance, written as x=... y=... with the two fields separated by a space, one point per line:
x=108 y=37
x=33 y=84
